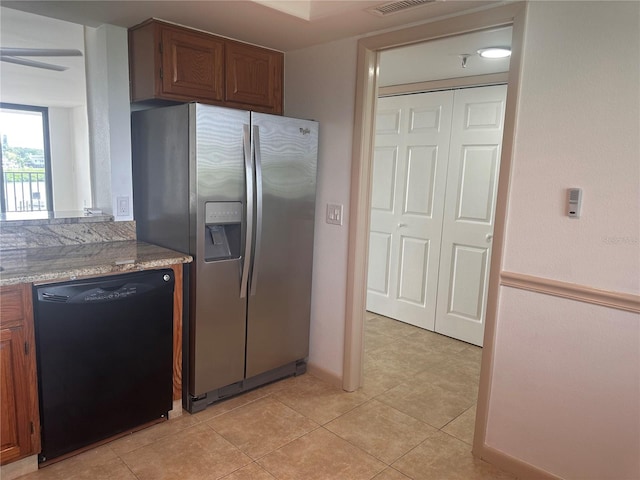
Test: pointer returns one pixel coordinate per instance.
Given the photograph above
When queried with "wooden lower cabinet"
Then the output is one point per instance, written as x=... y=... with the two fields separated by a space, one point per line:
x=19 y=418
x=178 y=271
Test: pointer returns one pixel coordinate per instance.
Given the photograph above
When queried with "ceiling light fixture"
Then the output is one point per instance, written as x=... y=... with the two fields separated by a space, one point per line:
x=495 y=52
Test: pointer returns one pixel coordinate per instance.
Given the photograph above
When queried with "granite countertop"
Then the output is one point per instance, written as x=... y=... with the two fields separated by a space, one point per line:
x=53 y=218
x=67 y=262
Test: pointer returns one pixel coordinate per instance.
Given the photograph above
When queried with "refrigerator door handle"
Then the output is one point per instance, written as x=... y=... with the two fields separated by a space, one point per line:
x=258 y=243
x=248 y=169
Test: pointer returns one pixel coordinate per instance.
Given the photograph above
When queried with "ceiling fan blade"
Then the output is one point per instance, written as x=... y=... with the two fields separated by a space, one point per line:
x=32 y=63
x=40 y=52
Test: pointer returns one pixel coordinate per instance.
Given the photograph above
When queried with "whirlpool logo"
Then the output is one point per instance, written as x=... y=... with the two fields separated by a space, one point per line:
x=305 y=131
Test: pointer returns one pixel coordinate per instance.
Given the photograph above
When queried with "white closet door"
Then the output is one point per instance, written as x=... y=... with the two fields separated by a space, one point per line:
x=467 y=231
x=409 y=177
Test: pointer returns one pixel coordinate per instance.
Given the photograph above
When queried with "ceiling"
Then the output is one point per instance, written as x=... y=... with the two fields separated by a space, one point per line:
x=281 y=25
x=441 y=59
x=37 y=86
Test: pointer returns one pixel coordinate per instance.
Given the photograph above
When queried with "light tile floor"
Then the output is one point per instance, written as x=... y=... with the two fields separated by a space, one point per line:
x=413 y=419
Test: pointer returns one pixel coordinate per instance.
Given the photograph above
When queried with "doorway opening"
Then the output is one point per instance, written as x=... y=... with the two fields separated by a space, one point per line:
x=434 y=176
x=367 y=90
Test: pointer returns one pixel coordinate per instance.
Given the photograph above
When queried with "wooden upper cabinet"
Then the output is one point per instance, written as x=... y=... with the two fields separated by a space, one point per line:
x=19 y=418
x=173 y=63
x=254 y=77
x=192 y=64
x=169 y=62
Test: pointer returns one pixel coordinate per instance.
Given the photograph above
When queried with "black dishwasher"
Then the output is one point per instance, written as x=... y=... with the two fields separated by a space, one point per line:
x=104 y=350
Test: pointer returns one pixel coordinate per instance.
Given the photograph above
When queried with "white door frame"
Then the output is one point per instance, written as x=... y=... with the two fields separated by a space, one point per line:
x=360 y=201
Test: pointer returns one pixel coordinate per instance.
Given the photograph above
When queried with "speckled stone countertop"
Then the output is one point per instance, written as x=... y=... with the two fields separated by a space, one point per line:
x=52 y=218
x=67 y=262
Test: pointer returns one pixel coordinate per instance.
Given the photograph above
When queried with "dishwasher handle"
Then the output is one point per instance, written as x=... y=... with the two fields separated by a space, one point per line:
x=106 y=289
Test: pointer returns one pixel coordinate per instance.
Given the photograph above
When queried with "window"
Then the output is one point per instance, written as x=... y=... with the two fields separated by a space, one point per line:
x=25 y=171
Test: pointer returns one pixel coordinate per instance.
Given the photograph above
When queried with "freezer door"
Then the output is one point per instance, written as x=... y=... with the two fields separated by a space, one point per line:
x=280 y=284
x=218 y=311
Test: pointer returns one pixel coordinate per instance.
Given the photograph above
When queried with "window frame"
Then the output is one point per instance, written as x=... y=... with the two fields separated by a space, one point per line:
x=46 y=147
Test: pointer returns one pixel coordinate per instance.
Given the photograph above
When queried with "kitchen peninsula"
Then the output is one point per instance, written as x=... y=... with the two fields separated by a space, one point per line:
x=36 y=251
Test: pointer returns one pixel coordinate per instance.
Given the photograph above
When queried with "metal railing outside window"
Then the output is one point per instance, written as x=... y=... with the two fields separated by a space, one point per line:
x=24 y=191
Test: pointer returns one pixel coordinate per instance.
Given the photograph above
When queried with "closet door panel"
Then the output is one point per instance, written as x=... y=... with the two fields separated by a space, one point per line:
x=469 y=211
x=409 y=179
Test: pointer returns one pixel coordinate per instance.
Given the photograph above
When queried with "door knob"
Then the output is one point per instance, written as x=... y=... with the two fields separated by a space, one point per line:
x=488 y=237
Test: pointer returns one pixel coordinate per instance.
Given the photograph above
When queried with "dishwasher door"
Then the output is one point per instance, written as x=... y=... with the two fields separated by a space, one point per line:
x=104 y=350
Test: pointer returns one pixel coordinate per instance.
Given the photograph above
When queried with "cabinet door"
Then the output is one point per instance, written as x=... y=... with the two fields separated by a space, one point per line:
x=254 y=77
x=15 y=427
x=192 y=64
x=19 y=418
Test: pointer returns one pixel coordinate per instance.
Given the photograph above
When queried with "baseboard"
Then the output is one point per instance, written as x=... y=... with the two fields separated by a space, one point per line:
x=324 y=375
x=176 y=411
x=522 y=470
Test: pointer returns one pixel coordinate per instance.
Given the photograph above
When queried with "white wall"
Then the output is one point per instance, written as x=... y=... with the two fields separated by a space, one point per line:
x=577 y=125
x=37 y=86
x=62 y=157
x=64 y=93
x=105 y=100
x=564 y=390
x=69 y=143
x=82 y=154
x=565 y=393
x=109 y=117
x=320 y=85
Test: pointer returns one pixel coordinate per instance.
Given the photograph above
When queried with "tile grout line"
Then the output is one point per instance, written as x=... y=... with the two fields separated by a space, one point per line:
x=456 y=417
x=128 y=468
x=317 y=425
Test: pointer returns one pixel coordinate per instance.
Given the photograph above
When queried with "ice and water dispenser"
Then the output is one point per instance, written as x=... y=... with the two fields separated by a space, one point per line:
x=223 y=230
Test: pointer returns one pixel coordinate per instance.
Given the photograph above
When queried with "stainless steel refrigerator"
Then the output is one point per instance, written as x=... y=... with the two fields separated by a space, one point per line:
x=236 y=190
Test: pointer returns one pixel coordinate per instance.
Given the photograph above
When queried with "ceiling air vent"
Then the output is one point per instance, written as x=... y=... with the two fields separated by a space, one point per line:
x=390 y=8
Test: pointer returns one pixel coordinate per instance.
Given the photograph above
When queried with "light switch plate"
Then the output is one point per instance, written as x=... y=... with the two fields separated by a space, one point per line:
x=334 y=214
